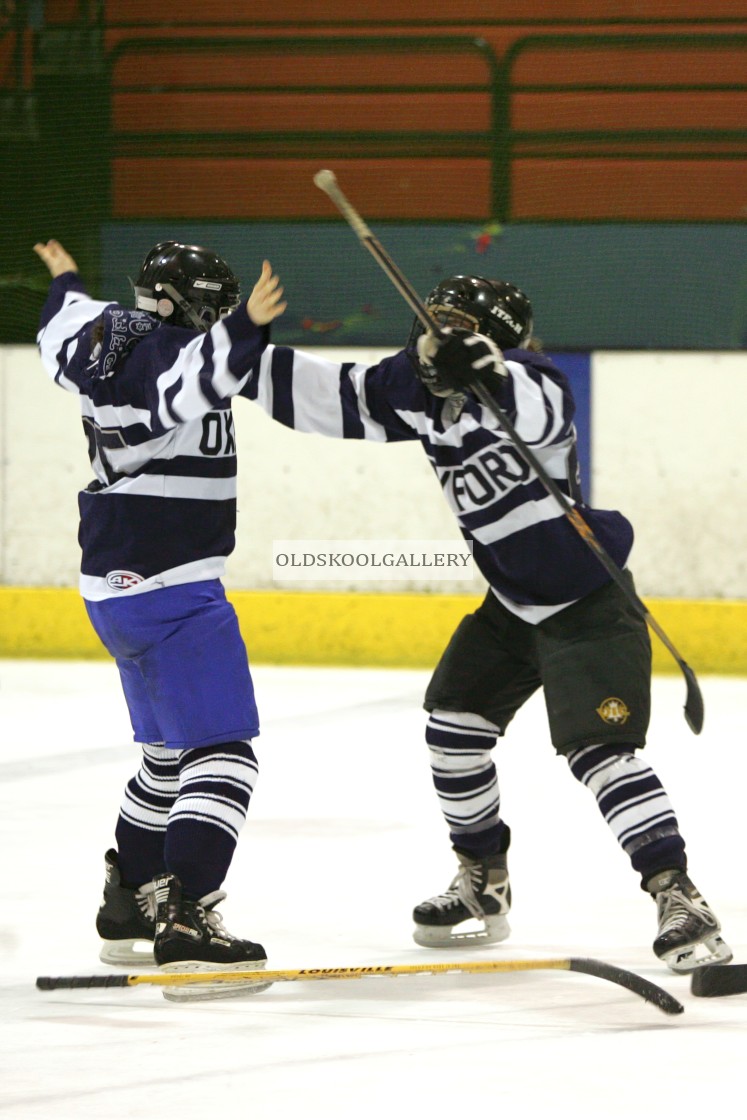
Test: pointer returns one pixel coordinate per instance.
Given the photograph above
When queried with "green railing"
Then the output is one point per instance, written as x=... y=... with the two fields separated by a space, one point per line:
x=353 y=140
x=500 y=143
x=648 y=143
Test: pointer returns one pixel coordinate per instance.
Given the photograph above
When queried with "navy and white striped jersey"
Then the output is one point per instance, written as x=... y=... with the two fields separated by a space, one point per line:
x=523 y=544
x=156 y=406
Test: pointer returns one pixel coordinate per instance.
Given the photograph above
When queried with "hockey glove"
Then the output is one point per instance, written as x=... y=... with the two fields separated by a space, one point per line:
x=455 y=363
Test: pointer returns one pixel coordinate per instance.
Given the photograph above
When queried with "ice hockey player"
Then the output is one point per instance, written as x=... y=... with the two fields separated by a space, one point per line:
x=552 y=617
x=157 y=522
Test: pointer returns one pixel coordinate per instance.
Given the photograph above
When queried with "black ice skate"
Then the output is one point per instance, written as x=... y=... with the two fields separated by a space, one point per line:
x=191 y=937
x=126 y=919
x=481 y=890
x=689 y=932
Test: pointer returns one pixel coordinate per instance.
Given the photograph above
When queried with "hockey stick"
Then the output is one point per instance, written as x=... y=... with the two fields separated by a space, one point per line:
x=630 y=980
x=719 y=980
x=694 y=709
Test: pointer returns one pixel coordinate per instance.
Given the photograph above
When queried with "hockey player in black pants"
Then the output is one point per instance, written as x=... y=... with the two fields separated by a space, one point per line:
x=155 y=386
x=552 y=618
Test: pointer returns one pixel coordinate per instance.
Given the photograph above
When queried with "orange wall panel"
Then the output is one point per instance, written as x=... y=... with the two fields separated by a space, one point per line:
x=615 y=111
x=288 y=69
x=294 y=112
x=420 y=11
x=633 y=65
x=264 y=188
x=631 y=189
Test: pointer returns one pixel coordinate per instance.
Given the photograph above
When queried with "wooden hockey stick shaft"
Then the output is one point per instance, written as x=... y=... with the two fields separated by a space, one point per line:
x=630 y=980
x=694 y=708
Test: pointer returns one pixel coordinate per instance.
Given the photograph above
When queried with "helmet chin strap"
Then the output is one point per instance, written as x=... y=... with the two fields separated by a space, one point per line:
x=182 y=304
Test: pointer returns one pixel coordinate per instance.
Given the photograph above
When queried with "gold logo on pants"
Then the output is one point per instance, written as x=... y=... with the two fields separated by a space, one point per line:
x=613 y=710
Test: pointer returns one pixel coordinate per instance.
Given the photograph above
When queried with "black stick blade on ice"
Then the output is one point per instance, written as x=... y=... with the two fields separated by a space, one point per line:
x=652 y=993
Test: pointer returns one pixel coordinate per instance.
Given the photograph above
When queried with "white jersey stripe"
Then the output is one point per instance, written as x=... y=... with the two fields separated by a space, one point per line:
x=96 y=588
x=176 y=486
x=534 y=513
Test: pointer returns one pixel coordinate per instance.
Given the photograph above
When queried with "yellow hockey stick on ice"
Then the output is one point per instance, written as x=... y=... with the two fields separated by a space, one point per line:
x=630 y=980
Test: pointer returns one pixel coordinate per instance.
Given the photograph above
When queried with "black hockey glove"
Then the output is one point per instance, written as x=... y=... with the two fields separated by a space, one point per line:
x=454 y=364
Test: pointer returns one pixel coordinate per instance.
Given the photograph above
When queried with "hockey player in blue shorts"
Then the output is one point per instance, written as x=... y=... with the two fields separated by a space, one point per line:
x=552 y=618
x=155 y=386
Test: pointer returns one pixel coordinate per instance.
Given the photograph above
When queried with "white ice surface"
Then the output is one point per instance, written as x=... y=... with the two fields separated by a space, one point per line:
x=344 y=837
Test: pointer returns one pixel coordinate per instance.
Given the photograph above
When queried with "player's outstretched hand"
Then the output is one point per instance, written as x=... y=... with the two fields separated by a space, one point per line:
x=56 y=257
x=266 y=301
x=462 y=358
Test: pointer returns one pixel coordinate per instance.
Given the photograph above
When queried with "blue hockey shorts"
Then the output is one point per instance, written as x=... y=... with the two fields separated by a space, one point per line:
x=183 y=664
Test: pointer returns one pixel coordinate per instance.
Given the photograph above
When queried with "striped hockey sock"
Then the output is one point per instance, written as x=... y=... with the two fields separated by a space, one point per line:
x=466 y=780
x=635 y=805
x=144 y=814
x=215 y=785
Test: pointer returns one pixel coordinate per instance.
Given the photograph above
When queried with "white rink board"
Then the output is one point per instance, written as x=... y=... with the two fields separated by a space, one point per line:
x=667 y=437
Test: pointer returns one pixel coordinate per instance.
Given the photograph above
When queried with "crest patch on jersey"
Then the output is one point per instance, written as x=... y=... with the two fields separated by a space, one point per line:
x=613 y=710
x=122 y=581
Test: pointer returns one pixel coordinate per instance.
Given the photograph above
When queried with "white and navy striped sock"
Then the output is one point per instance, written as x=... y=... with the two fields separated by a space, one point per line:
x=635 y=805
x=215 y=786
x=144 y=814
x=465 y=779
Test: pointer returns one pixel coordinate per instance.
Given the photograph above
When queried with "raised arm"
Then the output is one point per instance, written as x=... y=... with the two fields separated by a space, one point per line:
x=180 y=374
x=67 y=319
x=342 y=399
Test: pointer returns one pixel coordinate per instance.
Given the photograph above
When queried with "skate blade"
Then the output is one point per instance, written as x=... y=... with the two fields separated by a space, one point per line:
x=221 y=989
x=712 y=950
x=125 y=952
x=444 y=937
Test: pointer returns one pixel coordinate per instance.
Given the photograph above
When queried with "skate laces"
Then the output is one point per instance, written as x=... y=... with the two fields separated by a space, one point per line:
x=466 y=880
x=461 y=891
x=449 y=898
x=213 y=918
x=675 y=907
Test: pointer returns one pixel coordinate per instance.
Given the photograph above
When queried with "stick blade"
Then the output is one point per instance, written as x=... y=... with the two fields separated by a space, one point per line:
x=694 y=707
x=719 y=980
x=652 y=993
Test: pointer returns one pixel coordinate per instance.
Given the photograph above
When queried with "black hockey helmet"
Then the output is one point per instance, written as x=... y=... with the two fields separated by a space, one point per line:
x=492 y=307
x=186 y=285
